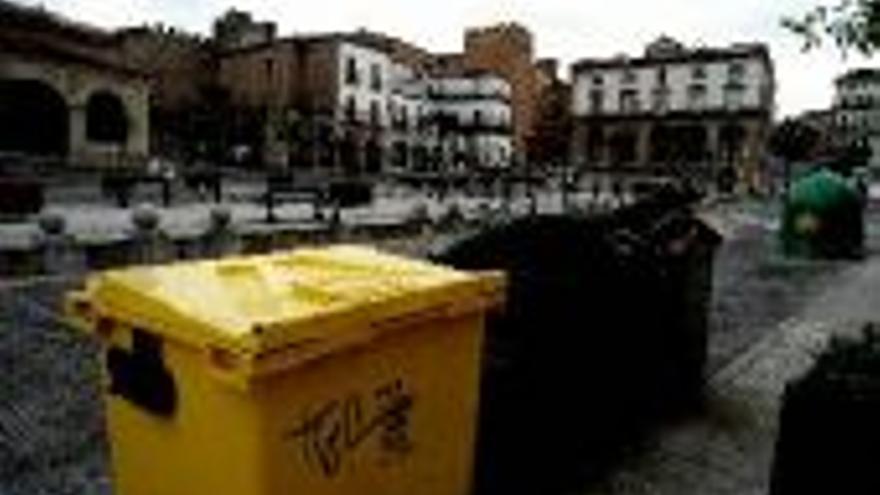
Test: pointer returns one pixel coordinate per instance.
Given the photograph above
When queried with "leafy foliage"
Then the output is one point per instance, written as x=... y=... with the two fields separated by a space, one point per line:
x=851 y=24
x=793 y=140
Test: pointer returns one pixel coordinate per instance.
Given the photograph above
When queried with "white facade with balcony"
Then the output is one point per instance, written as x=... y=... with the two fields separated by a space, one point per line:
x=471 y=114
x=856 y=111
x=706 y=106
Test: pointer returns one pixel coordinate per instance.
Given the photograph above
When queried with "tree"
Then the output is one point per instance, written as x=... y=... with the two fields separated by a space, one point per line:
x=793 y=140
x=851 y=24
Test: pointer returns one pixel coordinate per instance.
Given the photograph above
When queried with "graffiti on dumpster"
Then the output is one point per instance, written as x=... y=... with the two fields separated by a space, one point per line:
x=339 y=427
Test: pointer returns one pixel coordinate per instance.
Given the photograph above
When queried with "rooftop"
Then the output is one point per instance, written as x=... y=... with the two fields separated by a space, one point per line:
x=862 y=74
x=666 y=50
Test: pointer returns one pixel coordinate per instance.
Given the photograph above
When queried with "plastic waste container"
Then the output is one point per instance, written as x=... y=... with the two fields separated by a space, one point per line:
x=829 y=438
x=604 y=334
x=823 y=218
x=321 y=371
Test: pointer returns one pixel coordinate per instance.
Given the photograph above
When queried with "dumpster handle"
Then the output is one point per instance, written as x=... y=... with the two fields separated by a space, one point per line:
x=140 y=375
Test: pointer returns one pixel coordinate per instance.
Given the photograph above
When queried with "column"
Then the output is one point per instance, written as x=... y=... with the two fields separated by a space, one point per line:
x=713 y=149
x=77 y=134
x=643 y=144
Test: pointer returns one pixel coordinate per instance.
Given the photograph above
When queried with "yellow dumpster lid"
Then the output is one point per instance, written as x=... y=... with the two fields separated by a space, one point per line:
x=250 y=307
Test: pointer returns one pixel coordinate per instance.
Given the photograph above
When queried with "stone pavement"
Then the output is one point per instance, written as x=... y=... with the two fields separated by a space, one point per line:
x=726 y=450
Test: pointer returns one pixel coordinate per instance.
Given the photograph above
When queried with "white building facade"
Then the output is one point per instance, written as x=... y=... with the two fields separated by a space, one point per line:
x=471 y=116
x=704 y=107
x=856 y=111
x=406 y=119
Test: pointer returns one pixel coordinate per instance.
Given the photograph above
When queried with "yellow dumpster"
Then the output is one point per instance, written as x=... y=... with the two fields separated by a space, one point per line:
x=320 y=371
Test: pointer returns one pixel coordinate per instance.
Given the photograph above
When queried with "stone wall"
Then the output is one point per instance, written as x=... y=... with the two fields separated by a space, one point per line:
x=76 y=62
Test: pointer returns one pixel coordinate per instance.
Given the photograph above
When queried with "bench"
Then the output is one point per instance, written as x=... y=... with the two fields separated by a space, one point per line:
x=200 y=180
x=122 y=185
x=281 y=189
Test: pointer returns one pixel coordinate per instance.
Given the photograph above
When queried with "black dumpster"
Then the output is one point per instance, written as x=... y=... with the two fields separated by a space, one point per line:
x=604 y=334
x=829 y=436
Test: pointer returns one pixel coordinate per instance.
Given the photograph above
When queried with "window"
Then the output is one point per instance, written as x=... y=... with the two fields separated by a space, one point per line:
x=699 y=72
x=734 y=96
x=376 y=77
x=597 y=98
x=629 y=76
x=661 y=100
x=697 y=96
x=629 y=101
x=404 y=117
x=270 y=68
x=375 y=114
x=351 y=71
x=478 y=118
x=598 y=80
x=661 y=76
x=736 y=71
x=351 y=109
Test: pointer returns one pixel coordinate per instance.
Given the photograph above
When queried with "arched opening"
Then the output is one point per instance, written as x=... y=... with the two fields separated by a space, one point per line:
x=348 y=154
x=34 y=119
x=401 y=155
x=662 y=144
x=696 y=138
x=374 y=156
x=327 y=147
x=106 y=119
x=731 y=139
x=622 y=146
x=595 y=145
x=687 y=143
x=420 y=158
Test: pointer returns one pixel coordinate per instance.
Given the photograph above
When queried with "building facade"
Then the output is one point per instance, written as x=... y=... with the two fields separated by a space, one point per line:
x=507 y=50
x=549 y=143
x=66 y=94
x=856 y=111
x=340 y=102
x=237 y=29
x=181 y=73
x=706 y=108
x=472 y=120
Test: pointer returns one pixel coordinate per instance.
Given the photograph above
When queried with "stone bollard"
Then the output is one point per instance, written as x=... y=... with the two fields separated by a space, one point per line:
x=58 y=248
x=220 y=239
x=452 y=218
x=335 y=223
x=149 y=244
x=419 y=218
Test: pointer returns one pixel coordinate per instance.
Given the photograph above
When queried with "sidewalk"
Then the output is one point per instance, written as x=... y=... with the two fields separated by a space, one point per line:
x=729 y=449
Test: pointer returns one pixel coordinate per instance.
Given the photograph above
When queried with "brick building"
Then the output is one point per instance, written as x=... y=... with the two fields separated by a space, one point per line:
x=325 y=101
x=181 y=71
x=237 y=29
x=353 y=103
x=549 y=144
x=507 y=49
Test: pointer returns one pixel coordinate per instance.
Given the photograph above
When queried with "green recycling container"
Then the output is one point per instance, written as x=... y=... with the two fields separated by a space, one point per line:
x=823 y=218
